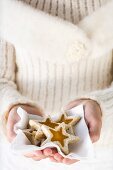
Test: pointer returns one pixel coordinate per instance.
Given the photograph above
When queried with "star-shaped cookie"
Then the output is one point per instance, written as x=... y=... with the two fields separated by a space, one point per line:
x=34 y=124
x=59 y=136
x=34 y=133
x=47 y=121
x=69 y=121
x=30 y=134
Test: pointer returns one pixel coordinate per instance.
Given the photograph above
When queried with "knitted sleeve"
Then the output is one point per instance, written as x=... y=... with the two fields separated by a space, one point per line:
x=99 y=28
x=9 y=95
x=104 y=98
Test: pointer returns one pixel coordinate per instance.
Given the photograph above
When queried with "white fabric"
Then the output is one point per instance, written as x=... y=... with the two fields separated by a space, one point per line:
x=9 y=161
x=103 y=149
x=45 y=50
x=87 y=37
x=82 y=150
x=103 y=154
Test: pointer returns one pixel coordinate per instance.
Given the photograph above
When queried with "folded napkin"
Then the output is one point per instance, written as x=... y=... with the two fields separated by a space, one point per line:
x=81 y=150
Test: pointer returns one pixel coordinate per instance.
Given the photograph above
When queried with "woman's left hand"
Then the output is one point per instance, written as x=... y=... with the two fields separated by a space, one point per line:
x=93 y=118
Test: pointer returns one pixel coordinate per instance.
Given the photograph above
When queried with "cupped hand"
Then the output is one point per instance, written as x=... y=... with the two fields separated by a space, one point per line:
x=93 y=118
x=37 y=155
x=13 y=118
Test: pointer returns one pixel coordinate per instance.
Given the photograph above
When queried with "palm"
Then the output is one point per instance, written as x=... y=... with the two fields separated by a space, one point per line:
x=92 y=117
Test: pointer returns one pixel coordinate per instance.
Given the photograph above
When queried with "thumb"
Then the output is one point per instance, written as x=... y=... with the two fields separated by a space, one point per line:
x=72 y=104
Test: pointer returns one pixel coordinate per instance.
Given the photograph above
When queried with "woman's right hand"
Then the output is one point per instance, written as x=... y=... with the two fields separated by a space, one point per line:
x=13 y=118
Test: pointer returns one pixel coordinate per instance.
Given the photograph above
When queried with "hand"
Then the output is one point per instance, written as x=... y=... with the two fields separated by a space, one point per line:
x=13 y=118
x=93 y=118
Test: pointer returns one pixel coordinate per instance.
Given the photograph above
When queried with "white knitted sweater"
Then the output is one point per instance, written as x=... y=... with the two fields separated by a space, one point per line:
x=48 y=61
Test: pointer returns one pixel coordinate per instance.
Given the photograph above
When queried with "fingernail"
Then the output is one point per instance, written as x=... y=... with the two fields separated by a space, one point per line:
x=37 y=152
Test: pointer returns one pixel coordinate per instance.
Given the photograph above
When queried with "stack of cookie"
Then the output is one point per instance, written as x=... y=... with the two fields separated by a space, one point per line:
x=60 y=132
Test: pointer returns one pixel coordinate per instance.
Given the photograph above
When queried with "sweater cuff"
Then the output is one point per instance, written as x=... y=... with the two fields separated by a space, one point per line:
x=13 y=100
x=8 y=104
x=103 y=97
x=10 y=97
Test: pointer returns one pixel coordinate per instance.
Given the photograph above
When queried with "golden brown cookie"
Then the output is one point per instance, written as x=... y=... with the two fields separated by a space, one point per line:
x=47 y=121
x=59 y=136
x=68 y=120
x=34 y=124
x=30 y=134
x=39 y=135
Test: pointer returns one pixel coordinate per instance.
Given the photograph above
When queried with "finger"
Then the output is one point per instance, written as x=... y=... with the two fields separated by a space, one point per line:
x=52 y=159
x=39 y=154
x=94 y=136
x=94 y=130
x=33 y=154
x=34 y=157
x=47 y=152
x=37 y=158
x=69 y=161
x=58 y=157
x=72 y=104
x=29 y=155
x=54 y=150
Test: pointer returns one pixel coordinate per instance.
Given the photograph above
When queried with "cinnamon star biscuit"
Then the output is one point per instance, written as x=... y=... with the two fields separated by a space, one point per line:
x=69 y=121
x=34 y=124
x=47 y=121
x=30 y=134
x=59 y=136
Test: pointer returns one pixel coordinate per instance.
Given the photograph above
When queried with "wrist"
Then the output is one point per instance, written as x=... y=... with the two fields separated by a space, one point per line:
x=94 y=102
x=86 y=100
x=28 y=108
x=13 y=107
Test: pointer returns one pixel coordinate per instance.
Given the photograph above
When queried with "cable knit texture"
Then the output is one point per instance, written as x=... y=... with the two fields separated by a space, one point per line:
x=53 y=60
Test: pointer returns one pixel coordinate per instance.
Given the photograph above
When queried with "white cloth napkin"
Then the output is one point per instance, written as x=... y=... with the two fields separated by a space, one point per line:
x=82 y=150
